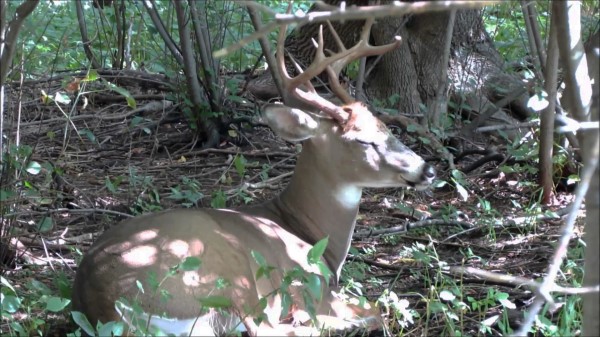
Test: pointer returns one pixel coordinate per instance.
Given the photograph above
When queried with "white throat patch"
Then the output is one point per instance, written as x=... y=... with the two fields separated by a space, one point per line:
x=348 y=196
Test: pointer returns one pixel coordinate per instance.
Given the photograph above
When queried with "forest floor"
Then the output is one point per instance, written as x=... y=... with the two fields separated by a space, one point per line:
x=112 y=163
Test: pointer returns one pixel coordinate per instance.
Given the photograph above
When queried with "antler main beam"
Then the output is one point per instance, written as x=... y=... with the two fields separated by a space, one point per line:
x=332 y=64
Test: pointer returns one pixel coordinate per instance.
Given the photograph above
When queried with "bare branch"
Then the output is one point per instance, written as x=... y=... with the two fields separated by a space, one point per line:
x=396 y=8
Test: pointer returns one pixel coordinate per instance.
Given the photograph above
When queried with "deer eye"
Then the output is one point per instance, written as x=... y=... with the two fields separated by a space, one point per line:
x=365 y=143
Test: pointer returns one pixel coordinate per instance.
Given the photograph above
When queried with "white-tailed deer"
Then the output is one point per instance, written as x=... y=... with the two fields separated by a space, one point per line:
x=344 y=149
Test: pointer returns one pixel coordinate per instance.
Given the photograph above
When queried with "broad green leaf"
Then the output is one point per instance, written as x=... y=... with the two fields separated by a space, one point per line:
x=325 y=271
x=33 y=167
x=240 y=165
x=6 y=194
x=16 y=326
x=82 y=321
x=88 y=134
x=62 y=98
x=56 y=304
x=313 y=283
x=447 y=296
x=412 y=127
x=123 y=92
x=7 y=284
x=139 y=285
x=107 y=329
x=152 y=281
x=39 y=287
x=464 y=194
x=316 y=252
x=45 y=225
x=91 y=76
x=286 y=303
x=190 y=263
x=260 y=260
x=9 y=303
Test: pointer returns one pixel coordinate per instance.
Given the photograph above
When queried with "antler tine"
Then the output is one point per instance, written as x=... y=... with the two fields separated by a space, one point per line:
x=361 y=49
x=291 y=84
x=332 y=64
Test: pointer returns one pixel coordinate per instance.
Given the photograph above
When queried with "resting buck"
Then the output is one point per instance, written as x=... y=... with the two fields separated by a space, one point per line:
x=344 y=149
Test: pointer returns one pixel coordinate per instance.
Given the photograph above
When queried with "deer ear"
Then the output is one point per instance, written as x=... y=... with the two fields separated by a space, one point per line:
x=290 y=124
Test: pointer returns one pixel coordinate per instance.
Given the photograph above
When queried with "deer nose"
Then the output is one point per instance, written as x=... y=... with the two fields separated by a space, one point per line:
x=428 y=172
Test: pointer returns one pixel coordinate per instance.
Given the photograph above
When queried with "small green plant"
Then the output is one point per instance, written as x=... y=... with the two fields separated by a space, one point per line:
x=402 y=317
x=112 y=185
x=264 y=172
x=148 y=197
x=354 y=270
x=482 y=306
x=188 y=193
x=312 y=284
x=218 y=199
x=35 y=297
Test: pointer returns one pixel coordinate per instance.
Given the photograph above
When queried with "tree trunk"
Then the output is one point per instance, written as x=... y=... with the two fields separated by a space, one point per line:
x=477 y=77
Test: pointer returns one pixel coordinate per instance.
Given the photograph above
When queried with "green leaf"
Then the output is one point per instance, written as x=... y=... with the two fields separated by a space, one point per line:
x=91 y=76
x=219 y=302
x=39 y=287
x=9 y=303
x=7 y=284
x=16 y=326
x=88 y=134
x=56 y=304
x=260 y=260
x=447 y=296
x=464 y=194
x=62 y=98
x=45 y=225
x=82 y=321
x=424 y=140
x=325 y=271
x=316 y=252
x=264 y=272
x=123 y=92
x=6 y=194
x=152 y=281
x=240 y=165
x=190 y=263
x=218 y=199
x=458 y=175
x=313 y=284
x=33 y=167
x=110 y=185
x=111 y=329
x=286 y=303
x=139 y=285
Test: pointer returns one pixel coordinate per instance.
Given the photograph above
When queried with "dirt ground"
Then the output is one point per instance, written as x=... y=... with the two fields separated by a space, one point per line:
x=107 y=163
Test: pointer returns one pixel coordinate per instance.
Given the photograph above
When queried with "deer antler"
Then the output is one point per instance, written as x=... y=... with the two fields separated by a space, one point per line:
x=332 y=64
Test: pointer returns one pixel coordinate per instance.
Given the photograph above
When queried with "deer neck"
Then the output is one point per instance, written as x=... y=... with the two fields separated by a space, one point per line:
x=316 y=205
